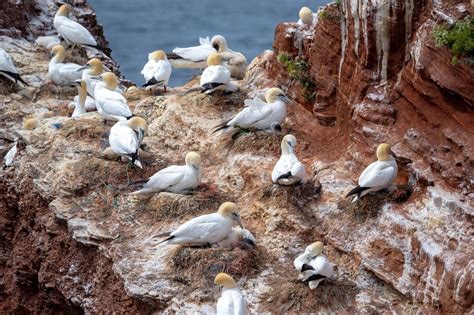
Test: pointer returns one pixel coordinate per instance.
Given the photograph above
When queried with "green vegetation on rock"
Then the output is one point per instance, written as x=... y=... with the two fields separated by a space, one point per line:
x=459 y=38
x=297 y=69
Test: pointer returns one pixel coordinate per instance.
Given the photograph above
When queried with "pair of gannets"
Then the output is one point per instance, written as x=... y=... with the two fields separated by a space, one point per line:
x=313 y=266
x=72 y=32
x=196 y=57
x=378 y=175
x=207 y=229
x=126 y=137
x=176 y=178
x=61 y=73
x=215 y=76
x=157 y=70
x=232 y=301
x=259 y=114
x=8 y=69
x=289 y=170
x=110 y=104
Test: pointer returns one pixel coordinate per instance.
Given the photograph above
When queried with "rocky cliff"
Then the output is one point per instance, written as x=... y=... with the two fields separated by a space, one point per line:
x=72 y=240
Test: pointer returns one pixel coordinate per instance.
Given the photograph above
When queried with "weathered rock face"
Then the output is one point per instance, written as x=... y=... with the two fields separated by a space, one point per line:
x=73 y=240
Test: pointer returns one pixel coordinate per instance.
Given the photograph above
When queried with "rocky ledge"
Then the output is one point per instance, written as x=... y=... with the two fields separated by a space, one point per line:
x=72 y=239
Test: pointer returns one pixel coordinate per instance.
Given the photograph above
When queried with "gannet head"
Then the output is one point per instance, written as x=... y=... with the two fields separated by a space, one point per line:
x=315 y=249
x=29 y=123
x=64 y=10
x=193 y=159
x=230 y=210
x=110 y=79
x=59 y=52
x=157 y=55
x=219 y=43
x=214 y=59
x=274 y=94
x=82 y=91
x=383 y=152
x=137 y=122
x=96 y=66
x=225 y=281
x=306 y=15
x=288 y=144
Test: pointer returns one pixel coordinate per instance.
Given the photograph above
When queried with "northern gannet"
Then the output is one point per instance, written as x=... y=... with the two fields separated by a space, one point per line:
x=288 y=170
x=110 y=103
x=176 y=178
x=91 y=69
x=126 y=137
x=236 y=237
x=10 y=156
x=8 y=69
x=207 y=229
x=157 y=70
x=215 y=76
x=378 y=175
x=73 y=32
x=313 y=266
x=231 y=302
x=80 y=99
x=264 y=115
x=306 y=16
x=62 y=73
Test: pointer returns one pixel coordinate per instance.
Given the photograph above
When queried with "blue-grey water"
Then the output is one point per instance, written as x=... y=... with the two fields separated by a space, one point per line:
x=135 y=28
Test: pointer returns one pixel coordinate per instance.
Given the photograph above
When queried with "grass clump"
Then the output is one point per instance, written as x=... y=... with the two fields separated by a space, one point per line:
x=298 y=69
x=459 y=38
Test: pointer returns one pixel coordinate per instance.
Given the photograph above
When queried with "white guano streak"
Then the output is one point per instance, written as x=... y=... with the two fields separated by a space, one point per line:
x=355 y=17
x=382 y=31
x=409 y=7
x=343 y=21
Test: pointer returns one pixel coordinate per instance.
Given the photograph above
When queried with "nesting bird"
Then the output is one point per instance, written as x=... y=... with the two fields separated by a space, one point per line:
x=215 y=76
x=176 y=178
x=110 y=104
x=91 y=69
x=207 y=229
x=259 y=114
x=8 y=69
x=306 y=16
x=313 y=266
x=80 y=102
x=157 y=70
x=231 y=302
x=237 y=237
x=378 y=175
x=288 y=170
x=126 y=137
x=62 y=73
x=72 y=32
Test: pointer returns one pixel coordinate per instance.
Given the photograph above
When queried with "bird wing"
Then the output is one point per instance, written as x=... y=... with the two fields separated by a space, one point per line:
x=195 y=53
x=225 y=304
x=204 y=229
x=68 y=71
x=6 y=62
x=233 y=58
x=165 y=178
x=112 y=103
x=239 y=303
x=75 y=32
x=162 y=71
x=322 y=266
x=148 y=70
x=377 y=174
x=123 y=140
x=205 y=41
x=298 y=170
x=254 y=111
x=10 y=155
x=300 y=261
x=215 y=74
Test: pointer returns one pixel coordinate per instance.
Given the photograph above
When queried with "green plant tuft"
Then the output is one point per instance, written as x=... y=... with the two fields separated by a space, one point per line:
x=459 y=38
x=297 y=69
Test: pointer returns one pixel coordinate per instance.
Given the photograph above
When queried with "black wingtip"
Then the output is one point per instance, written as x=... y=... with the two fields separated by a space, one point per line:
x=15 y=76
x=101 y=48
x=223 y=125
x=209 y=86
x=306 y=267
x=284 y=176
x=356 y=191
x=314 y=277
x=166 y=239
x=131 y=116
x=173 y=56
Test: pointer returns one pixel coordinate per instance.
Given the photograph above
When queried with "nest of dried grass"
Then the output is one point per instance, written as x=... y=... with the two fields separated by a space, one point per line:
x=254 y=140
x=367 y=207
x=197 y=267
x=83 y=129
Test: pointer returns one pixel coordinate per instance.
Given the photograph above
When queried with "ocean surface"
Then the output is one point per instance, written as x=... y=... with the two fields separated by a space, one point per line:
x=136 y=28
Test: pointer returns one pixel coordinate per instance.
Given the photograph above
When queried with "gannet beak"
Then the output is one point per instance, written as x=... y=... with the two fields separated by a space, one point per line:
x=239 y=221
x=216 y=47
x=96 y=77
x=287 y=99
x=86 y=66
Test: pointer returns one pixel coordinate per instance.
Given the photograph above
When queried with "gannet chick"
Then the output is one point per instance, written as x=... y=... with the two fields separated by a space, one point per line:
x=91 y=69
x=73 y=32
x=10 y=156
x=215 y=77
x=176 y=178
x=207 y=229
x=126 y=137
x=8 y=69
x=111 y=104
x=157 y=70
x=288 y=170
x=62 y=73
x=378 y=175
x=313 y=266
x=236 y=237
x=258 y=114
x=231 y=302
x=306 y=16
x=29 y=123
x=80 y=104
